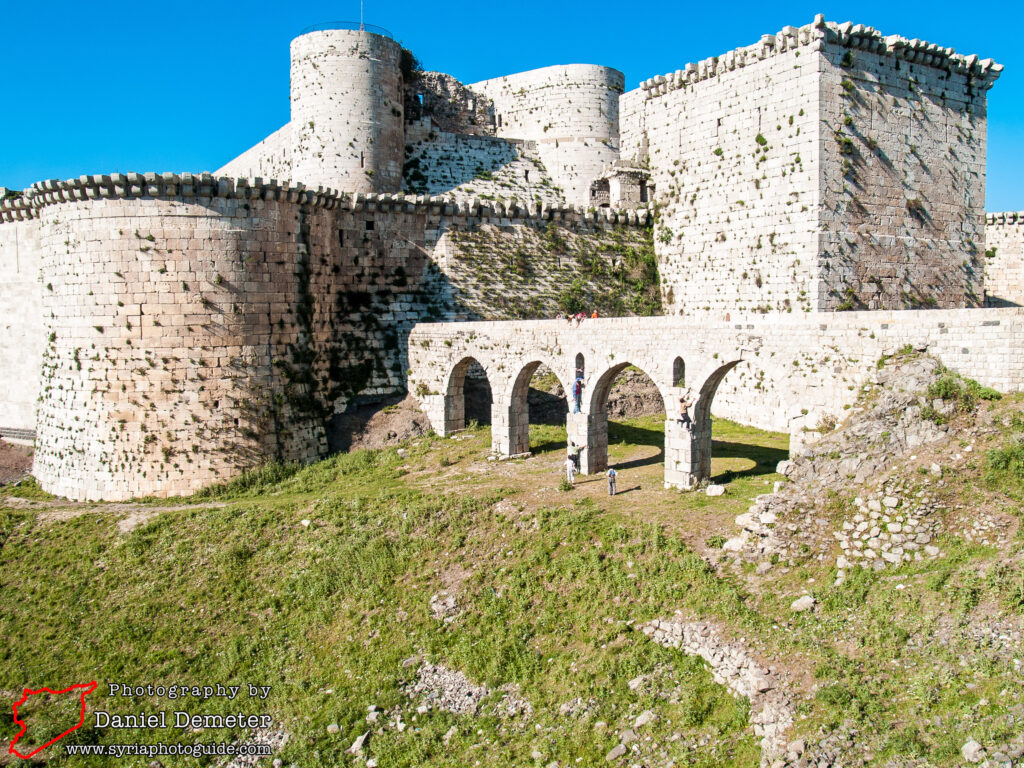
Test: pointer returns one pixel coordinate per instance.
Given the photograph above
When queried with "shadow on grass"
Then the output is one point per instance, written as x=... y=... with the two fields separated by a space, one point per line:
x=765 y=459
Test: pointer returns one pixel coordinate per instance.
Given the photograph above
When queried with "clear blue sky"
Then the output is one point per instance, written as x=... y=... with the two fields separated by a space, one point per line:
x=98 y=87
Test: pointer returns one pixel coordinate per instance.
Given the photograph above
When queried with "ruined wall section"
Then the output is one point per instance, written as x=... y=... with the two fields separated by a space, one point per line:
x=484 y=167
x=733 y=148
x=270 y=159
x=902 y=177
x=449 y=105
x=1004 y=262
x=21 y=325
x=571 y=111
x=347 y=111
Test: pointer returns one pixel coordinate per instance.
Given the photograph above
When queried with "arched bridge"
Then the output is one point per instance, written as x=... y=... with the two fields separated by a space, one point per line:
x=787 y=373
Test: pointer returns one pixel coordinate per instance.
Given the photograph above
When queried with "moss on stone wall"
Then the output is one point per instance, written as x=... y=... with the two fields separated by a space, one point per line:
x=526 y=272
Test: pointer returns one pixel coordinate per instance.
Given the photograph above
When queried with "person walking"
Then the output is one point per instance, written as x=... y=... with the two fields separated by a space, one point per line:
x=570 y=471
x=611 y=480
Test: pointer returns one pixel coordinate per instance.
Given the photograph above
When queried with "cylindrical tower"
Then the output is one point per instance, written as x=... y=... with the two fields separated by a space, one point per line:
x=347 y=121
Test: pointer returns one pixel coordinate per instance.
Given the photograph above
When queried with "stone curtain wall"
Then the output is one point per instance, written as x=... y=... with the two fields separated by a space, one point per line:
x=807 y=172
x=270 y=159
x=1004 y=262
x=903 y=144
x=347 y=111
x=733 y=148
x=571 y=111
x=197 y=326
x=21 y=328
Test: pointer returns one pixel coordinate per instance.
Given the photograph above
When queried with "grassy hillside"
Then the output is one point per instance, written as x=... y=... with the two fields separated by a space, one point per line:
x=337 y=583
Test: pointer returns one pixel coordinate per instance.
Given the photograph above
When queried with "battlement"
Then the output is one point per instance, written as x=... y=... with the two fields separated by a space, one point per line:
x=187 y=185
x=15 y=208
x=847 y=35
x=1005 y=217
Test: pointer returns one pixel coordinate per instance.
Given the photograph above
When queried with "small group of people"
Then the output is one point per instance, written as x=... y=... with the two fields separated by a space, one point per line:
x=577 y=318
x=572 y=467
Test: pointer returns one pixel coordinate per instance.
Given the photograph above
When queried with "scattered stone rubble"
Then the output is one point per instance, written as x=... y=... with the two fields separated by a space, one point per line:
x=732 y=666
x=893 y=523
x=447 y=689
x=439 y=687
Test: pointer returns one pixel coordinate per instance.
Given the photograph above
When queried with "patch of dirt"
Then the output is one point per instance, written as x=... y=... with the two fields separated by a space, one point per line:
x=15 y=462
x=378 y=425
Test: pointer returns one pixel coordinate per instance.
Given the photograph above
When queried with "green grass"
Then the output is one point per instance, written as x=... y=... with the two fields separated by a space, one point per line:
x=245 y=593
x=551 y=586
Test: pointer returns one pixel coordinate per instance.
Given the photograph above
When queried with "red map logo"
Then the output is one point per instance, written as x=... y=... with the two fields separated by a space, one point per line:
x=86 y=689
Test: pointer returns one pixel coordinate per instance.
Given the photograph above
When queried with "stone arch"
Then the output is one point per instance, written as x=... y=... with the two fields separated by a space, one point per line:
x=510 y=435
x=455 y=396
x=590 y=428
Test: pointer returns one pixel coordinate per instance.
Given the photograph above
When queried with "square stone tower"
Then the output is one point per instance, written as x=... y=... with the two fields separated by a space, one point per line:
x=824 y=168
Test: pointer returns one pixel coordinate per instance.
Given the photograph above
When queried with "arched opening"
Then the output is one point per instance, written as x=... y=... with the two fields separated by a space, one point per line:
x=678 y=372
x=735 y=451
x=626 y=423
x=468 y=397
x=538 y=398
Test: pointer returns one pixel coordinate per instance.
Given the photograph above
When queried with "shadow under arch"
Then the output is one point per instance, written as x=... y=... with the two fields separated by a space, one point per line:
x=595 y=454
x=702 y=443
x=455 y=393
x=519 y=406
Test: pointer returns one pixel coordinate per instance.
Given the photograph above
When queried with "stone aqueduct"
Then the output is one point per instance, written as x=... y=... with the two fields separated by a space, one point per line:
x=792 y=372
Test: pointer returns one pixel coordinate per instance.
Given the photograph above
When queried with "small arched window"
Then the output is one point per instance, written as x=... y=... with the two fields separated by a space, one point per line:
x=579 y=366
x=678 y=373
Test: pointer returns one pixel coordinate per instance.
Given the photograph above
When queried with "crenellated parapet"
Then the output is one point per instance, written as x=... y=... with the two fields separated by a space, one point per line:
x=1005 y=217
x=186 y=186
x=848 y=35
x=17 y=208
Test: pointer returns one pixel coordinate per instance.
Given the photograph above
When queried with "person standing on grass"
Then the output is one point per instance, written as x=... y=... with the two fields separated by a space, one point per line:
x=611 y=480
x=570 y=471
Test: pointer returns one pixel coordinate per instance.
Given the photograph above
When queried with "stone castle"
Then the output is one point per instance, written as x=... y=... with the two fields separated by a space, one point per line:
x=165 y=331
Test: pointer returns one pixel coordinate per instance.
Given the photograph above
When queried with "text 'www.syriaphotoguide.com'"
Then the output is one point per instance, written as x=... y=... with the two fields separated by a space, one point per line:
x=160 y=750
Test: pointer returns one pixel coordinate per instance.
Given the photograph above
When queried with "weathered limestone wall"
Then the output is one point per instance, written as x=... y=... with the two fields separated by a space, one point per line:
x=571 y=111
x=902 y=178
x=21 y=325
x=450 y=105
x=347 y=111
x=475 y=166
x=781 y=372
x=733 y=148
x=270 y=159
x=1004 y=263
x=197 y=326
x=823 y=168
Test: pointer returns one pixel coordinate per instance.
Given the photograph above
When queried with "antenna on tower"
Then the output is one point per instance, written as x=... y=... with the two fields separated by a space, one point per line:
x=361 y=15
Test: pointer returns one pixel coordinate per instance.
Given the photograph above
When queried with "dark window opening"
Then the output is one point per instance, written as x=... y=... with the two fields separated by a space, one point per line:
x=369 y=225
x=579 y=365
x=341 y=237
x=678 y=373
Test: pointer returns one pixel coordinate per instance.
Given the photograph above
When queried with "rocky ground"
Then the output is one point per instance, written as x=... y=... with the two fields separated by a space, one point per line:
x=15 y=462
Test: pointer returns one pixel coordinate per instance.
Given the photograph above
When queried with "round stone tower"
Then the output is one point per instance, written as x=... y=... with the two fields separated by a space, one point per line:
x=347 y=121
